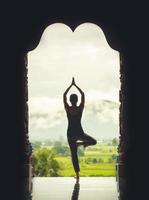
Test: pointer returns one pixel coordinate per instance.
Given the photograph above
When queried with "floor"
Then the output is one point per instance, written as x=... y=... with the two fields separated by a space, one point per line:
x=63 y=188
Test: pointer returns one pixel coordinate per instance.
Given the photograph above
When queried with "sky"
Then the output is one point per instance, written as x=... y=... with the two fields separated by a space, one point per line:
x=61 y=55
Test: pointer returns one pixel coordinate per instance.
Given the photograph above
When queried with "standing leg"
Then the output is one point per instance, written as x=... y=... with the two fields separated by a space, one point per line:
x=74 y=156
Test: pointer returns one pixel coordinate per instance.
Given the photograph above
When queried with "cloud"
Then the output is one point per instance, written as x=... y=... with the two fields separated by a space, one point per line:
x=45 y=112
x=45 y=116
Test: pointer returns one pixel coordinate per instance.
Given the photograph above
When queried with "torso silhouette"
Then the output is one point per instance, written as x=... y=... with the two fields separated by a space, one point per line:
x=74 y=114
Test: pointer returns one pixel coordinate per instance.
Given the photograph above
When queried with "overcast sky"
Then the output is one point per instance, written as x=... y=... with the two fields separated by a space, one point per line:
x=60 y=55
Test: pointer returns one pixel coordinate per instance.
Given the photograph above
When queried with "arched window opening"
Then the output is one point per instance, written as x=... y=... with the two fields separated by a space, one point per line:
x=85 y=55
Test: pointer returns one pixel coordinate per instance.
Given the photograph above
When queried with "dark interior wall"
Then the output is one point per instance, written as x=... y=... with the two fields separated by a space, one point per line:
x=125 y=31
x=135 y=118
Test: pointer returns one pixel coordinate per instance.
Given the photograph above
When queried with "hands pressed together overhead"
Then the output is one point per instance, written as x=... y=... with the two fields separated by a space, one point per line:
x=73 y=81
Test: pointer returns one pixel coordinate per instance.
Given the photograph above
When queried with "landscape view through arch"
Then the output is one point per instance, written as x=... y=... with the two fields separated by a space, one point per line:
x=85 y=55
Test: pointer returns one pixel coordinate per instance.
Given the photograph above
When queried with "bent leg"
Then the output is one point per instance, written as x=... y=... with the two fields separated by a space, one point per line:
x=88 y=140
x=74 y=156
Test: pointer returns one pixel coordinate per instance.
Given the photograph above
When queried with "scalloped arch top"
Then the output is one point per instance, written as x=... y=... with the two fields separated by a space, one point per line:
x=72 y=29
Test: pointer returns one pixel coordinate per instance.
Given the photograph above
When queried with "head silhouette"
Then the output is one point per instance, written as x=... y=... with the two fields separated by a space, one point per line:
x=73 y=99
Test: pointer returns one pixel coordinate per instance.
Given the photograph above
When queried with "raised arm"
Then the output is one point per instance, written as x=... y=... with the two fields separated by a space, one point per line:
x=65 y=97
x=82 y=94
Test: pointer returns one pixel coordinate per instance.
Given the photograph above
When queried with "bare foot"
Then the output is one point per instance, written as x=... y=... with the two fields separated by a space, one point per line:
x=84 y=146
x=77 y=176
x=79 y=144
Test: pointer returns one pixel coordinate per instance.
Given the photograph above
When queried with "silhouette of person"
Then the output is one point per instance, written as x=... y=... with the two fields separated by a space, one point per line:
x=75 y=193
x=75 y=133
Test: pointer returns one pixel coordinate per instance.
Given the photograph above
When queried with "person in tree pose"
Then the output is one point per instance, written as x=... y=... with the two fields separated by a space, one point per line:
x=75 y=133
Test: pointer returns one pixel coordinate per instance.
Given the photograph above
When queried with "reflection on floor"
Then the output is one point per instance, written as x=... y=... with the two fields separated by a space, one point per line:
x=61 y=188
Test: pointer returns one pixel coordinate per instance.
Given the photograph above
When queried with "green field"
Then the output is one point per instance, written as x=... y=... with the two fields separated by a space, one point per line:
x=96 y=162
x=55 y=160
